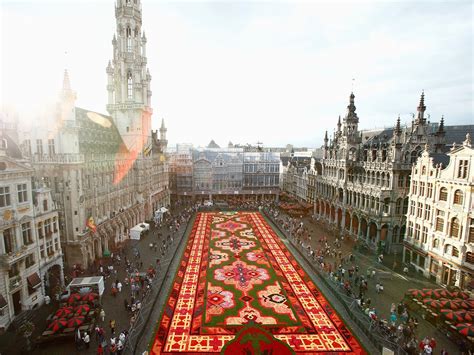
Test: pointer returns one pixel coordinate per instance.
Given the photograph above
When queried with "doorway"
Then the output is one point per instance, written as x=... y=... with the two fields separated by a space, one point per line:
x=16 y=297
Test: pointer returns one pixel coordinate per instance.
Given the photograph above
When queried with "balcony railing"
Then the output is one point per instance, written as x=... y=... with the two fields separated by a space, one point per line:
x=15 y=282
x=11 y=257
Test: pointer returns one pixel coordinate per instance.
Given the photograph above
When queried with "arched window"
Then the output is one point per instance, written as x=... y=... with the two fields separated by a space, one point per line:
x=458 y=197
x=129 y=39
x=443 y=194
x=129 y=85
x=423 y=170
x=435 y=243
x=455 y=252
x=454 y=231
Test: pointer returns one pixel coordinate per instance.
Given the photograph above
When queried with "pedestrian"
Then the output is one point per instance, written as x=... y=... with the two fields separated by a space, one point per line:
x=100 y=350
x=102 y=315
x=112 y=326
x=119 y=286
x=86 y=340
x=47 y=300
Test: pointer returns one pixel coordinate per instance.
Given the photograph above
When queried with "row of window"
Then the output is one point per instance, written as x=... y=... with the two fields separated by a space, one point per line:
x=457 y=198
x=5 y=196
x=39 y=147
x=422 y=189
x=420 y=210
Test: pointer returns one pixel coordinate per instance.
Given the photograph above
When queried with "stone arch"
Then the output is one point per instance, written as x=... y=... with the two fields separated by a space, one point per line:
x=339 y=217
x=372 y=231
x=333 y=213
x=347 y=221
x=363 y=227
x=355 y=224
x=384 y=232
x=402 y=233
x=396 y=235
x=96 y=249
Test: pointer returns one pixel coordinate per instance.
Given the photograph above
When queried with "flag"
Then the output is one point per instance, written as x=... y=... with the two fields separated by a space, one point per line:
x=147 y=151
x=91 y=224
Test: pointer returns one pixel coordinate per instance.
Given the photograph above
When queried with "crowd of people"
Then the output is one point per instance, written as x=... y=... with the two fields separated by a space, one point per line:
x=341 y=270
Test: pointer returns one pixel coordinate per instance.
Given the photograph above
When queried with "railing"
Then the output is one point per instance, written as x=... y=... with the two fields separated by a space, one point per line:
x=364 y=323
x=11 y=257
x=15 y=282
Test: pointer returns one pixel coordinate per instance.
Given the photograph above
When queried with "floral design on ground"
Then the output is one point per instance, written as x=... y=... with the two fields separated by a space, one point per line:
x=273 y=297
x=218 y=300
x=241 y=275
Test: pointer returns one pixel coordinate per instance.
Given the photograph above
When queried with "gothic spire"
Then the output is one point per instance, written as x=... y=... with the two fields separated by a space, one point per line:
x=66 y=81
x=420 y=119
x=339 y=124
x=398 y=129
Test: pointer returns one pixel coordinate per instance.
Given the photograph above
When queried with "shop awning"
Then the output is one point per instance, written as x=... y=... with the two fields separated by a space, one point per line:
x=3 y=303
x=34 y=280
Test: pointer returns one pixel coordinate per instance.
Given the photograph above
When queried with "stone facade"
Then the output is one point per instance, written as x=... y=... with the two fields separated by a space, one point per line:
x=215 y=173
x=362 y=178
x=107 y=173
x=30 y=247
x=440 y=235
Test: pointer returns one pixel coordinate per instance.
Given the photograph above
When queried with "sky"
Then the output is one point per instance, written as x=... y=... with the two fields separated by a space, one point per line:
x=272 y=72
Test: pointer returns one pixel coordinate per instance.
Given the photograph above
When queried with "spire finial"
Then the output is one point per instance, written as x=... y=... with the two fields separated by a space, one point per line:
x=162 y=124
x=66 y=81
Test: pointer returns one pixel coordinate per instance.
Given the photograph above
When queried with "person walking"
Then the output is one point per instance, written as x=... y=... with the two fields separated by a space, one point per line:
x=119 y=286
x=112 y=326
x=102 y=315
x=86 y=340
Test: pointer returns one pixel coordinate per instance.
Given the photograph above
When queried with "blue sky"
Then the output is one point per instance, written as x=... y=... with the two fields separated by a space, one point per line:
x=275 y=72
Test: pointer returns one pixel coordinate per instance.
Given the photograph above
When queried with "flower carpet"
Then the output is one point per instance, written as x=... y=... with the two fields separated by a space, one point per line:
x=236 y=273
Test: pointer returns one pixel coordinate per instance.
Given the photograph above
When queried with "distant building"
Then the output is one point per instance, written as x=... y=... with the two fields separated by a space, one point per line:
x=440 y=235
x=226 y=174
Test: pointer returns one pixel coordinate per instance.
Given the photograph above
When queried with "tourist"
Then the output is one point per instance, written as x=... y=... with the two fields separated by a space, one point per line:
x=86 y=339
x=102 y=315
x=119 y=286
x=112 y=326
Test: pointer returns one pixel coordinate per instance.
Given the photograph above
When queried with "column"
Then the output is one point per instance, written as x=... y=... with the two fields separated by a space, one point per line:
x=377 y=238
x=359 y=228
x=343 y=220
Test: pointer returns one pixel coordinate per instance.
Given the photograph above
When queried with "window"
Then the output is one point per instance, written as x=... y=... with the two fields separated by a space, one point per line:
x=419 y=210
x=14 y=270
x=417 y=231
x=458 y=197
x=22 y=193
x=29 y=260
x=443 y=194
x=51 y=149
x=39 y=147
x=5 y=196
x=422 y=189
x=49 y=247
x=398 y=206
x=424 y=235
x=412 y=207
x=9 y=240
x=45 y=205
x=56 y=244
x=410 y=229
x=423 y=170
x=455 y=252
x=40 y=230
x=462 y=169
x=42 y=251
x=471 y=231
x=435 y=243
x=55 y=225
x=439 y=222
x=427 y=212
x=26 y=233
x=430 y=190
x=47 y=227
x=129 y=39
x=28 y=147
x=454 y=230
x=414 y=187
x=470 y=258
x=129 y=85
x=400 y=180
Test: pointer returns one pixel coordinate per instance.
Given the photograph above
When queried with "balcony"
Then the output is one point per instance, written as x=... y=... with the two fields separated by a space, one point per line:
x=10 y=258
x=15 y=283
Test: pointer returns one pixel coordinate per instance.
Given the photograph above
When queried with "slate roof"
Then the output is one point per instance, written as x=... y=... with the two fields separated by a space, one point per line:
x=98 y=133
